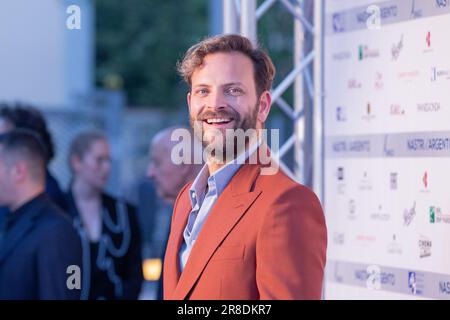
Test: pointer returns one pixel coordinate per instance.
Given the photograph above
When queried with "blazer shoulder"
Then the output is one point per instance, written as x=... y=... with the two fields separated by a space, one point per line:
x=54 y=226
x=51 y=214
x=52 y=218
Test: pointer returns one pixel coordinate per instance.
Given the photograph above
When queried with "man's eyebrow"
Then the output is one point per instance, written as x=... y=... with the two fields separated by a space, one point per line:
x=234 y=84
x=237 y=83
x=201 y=85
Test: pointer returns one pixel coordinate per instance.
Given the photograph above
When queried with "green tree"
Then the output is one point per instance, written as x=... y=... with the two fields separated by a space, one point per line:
x=138 y=43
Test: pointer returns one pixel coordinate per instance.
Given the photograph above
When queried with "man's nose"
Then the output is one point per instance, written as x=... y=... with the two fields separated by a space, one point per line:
x=217 y=100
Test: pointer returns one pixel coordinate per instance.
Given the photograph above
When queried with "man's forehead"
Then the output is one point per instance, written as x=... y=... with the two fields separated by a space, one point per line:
x=231 y=56
x=156 y=150
x=224 y=63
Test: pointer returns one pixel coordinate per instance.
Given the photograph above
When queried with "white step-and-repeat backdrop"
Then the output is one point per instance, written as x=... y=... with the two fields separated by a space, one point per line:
x=387 y=148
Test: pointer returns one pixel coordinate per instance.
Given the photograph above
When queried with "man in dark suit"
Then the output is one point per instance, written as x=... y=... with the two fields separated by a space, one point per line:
x=40 y=251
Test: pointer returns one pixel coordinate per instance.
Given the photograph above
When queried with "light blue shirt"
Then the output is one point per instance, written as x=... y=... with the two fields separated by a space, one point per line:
x=203 y=203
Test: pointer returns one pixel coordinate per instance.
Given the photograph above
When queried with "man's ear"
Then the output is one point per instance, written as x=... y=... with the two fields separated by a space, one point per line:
x=20 y=171
x=75 y=162
x=265 y=101
x=188 y=98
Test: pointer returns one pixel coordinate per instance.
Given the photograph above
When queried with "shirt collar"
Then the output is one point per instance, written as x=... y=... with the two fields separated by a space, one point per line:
x=197 y=190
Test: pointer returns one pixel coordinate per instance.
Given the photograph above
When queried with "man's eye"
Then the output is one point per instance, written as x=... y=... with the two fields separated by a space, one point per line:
x=234 y=91
x=202 y=91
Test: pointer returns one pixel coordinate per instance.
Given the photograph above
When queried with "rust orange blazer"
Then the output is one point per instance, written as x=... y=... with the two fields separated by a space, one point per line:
x=265 y=238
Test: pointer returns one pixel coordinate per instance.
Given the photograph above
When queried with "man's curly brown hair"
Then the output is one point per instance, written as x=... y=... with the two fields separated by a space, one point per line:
x=264 y=70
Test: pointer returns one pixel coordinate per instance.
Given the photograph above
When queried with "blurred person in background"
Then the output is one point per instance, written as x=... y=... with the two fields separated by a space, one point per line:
x=108 y=226
x=169 y=178
x=38 y=244
x=27 y=117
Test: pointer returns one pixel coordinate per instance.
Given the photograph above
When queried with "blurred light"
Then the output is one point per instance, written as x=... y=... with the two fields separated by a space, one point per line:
x=152 y=269
x=113 y=82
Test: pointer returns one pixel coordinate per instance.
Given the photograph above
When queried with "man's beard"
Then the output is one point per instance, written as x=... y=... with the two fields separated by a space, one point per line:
x=229 y=143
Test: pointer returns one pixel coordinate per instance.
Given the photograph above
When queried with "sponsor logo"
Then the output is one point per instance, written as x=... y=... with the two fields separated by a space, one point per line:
x=436 y=215
x=396 y=49
x=351 y=209
x=424 y=246
x=340 y=174
x=365 y=52
x=431 y=144
x=380 y=214
x=382 y=12
x=388 y=152
x=397 y=110
x=425 y=184
x=343 y=55
x=442 y=3
x=393 y=179
x=408 y=76
x=373 y=22
x=428 y=43
x=338 y=22
x=444 y=287
x=365 y=239
x=342 y=146
x=339 y=238
x=415 y=13
x=439 y=74
x=340 y=180
x=409 y=214
x=415 y=282
x=425 y=179
x=428 y=107
x=368 y=116
x=353 y=83
x=379 y=83
x=374 y=277
x=359 y=146
x=337 y=276
x=365 y=183
x=394 y=247
x=341 y=114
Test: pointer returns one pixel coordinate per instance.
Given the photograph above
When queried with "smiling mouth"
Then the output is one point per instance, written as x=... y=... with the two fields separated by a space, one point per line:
x=218 y=121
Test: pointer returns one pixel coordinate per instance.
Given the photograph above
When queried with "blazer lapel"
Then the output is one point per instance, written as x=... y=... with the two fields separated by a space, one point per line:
x=171 y=261
x=226 y=213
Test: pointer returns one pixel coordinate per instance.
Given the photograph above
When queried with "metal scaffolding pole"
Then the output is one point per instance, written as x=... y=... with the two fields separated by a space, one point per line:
x=318 y=169
x=299 y=125
x=248 y=19
x=230 y=17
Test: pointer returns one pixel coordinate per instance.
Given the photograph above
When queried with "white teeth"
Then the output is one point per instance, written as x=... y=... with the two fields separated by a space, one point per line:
x=209 y=121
